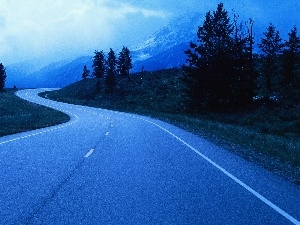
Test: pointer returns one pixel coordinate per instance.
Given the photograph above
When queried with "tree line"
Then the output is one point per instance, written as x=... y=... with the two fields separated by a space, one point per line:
x=107 y=68
x=223 y=73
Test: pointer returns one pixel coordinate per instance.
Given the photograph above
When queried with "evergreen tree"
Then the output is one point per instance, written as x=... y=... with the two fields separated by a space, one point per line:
x=242 y=86
x=124 y=63
x=2 y=77
x=271 y=47
x=216 y=73
x=98 y=67
x=291 y=56
x=85 y=73
x=98 y=64
x=110 y=79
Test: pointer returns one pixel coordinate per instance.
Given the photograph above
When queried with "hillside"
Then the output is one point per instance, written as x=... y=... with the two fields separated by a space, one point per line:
x=268 y=137
x=164 y=49
x=35 y=73
x=18 y=73
x=62 y=73
x=146 y=92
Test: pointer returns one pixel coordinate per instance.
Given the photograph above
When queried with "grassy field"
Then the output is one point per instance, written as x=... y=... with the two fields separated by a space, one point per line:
x=267 y=137
x=17 y=115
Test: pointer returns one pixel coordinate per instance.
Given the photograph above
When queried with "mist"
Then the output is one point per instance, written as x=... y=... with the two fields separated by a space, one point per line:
x=57 y=30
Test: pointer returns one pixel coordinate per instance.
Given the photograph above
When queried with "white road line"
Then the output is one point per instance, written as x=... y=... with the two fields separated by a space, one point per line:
x=41 y=132
x=45 y=131
x=256 y=194
x=89 y=153
x=56 y=127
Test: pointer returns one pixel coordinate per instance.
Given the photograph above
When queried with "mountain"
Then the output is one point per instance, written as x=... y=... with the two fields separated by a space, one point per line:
x=56 y=74
x=168 y=58
x=17 y=73
x=165 y=48
x=60 y=74
x=162 y=50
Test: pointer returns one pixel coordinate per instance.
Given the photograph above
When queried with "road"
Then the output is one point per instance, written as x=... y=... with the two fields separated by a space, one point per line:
x=107 y=167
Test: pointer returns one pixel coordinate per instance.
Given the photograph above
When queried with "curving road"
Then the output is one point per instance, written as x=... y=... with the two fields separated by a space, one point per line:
x=106 y=167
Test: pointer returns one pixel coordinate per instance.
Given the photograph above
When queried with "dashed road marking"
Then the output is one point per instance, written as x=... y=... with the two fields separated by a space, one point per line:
x=89 y=153
x=231 y=176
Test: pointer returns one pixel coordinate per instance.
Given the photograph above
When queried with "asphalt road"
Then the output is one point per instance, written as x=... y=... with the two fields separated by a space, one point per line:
x=106 y=167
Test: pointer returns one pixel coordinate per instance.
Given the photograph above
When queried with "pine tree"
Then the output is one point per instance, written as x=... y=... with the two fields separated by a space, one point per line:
x=98 y=67
x=271 y=47
x=110 y=78
x=243 y=66
x=2 y=77
x=85 y=73
x=291 y=69
x=98 y=64
x=124 y=63
x=250 y=62
x=197 y=71
x=216 y=64
x=291 y=58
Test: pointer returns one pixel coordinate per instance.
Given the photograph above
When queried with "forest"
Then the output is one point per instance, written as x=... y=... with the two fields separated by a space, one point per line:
x=223 y=73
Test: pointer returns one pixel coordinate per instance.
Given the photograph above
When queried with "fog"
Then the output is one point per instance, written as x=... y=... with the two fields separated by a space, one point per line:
x=60 y=29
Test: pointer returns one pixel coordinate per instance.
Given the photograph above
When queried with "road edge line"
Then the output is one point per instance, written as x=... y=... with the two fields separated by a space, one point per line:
x=231 y=176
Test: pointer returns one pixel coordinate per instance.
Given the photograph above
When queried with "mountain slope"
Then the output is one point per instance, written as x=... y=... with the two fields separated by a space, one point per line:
x=57 y=74
x=169 y=58
x=62 y=73
x=17 y=73
x=165 y=48
x=162 y=50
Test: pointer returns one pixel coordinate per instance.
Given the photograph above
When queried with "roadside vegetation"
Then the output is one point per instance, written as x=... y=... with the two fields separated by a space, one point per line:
x=17 y=115
x=244 y=102
x=267 y=136
x=247 y=103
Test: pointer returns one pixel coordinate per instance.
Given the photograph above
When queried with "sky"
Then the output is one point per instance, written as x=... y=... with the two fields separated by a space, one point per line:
x=58 y=29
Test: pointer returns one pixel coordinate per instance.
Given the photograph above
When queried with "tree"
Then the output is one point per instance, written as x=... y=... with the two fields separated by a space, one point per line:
x=98 y=67
x=98 y=64
x=248 y=65
x=124 y=63
x=206 y=57
x=110 y=79
x=216 y=73
x=2 y=77
x=85 y=73
x=242 y=84
x=291 y=72
x=291 y=58
x=271 y=47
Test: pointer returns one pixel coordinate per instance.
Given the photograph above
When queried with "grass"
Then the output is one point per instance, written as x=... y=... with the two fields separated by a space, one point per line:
x=267 y=137
x=17 y=115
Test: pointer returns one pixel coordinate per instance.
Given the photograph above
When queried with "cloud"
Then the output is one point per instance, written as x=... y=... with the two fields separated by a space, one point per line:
x=67 y=28
x=61 y=27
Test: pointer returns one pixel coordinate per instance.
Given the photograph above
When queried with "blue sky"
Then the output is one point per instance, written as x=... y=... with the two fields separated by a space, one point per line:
x=59 y=29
